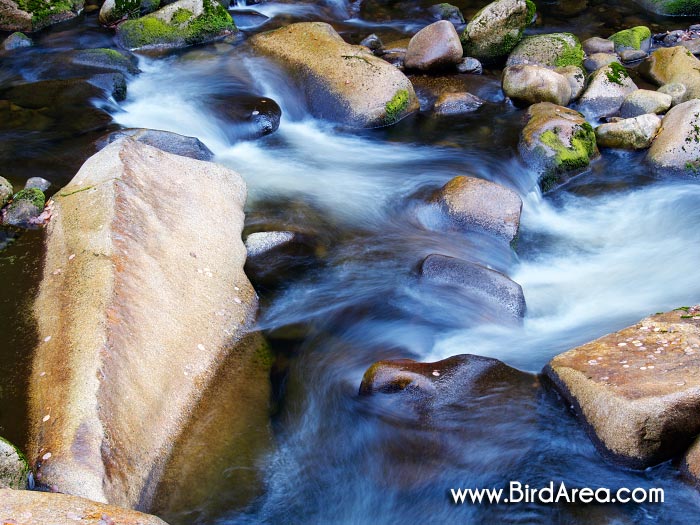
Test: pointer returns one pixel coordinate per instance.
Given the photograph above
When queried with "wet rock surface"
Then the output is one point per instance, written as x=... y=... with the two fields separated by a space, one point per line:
x=166 y=141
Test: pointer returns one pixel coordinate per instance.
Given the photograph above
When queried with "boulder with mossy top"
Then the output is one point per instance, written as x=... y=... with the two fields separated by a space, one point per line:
x=434 y=47
x=448 y=12
x=496 y=29
x=181 y=24
x=549 y=50
x=677 y=146
x=6 y=191
x=26 y=206
x=668 y=65
x=557 y=142
x=526 y=84
x=477 y=204
x=496 y=294
x=671 y=7
x=14 y=468
x=115 y=10
x=146 y=353
x=628 y=133
x=637 y=390
x=33 y=15
x=607 y=89
x=635 y=38
x=645 y=101
x=340 y=82
x=26 y=507
x=106 y=59
x=16 y=40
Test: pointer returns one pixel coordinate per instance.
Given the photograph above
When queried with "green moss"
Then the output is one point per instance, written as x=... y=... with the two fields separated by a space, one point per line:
x=679 y=7
x=33 y=195
x=616 y=73
x=128 y=8
x=151 y=31
x=396 y=106
x=531 y=10
x=570 y=56
x=631 y=38
x=570 y=157
x=43 y=10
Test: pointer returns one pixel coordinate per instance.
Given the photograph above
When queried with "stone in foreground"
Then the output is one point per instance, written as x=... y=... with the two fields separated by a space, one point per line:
x=142 y=301
x=434 y=47
x=638 y=390
x=557 y=142
x=496 y=29
x=341 y=82
x=631 y=133
x=23 y=507
x=476 y=203
x=13 y=467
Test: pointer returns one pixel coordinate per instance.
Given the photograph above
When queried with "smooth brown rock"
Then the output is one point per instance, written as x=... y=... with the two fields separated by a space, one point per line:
x=341 y=82
x=23 y=507
x=143 y=298
x=527 y=84
x=478 y=203
x=434 y=47
x=638 y=390
x=669 y=65
x=677 y=145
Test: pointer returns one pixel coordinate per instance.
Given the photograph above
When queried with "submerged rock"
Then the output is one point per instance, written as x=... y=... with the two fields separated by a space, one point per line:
x=549 y=50
x=526 y=84
x=497 y=28
x=33 y=16
x=606 y=91
x=645 y=101
x=16 y=41
x=26 y=205
x=274 y=255
x=470 y=65
x=598 y=45
x=637 y=389
x=630 y=133
x=671 y=7
x=247 y=117
x=23 y=507
x=434 y=47
x=473 y=203
x=677 y=146
x=6 y=191
x=166 y=141
x=114 y=10
x=341 y=82
x=498 y=291
x=143 y=298
x=107 y=59
x=183 y=23
x=451 y=104
x=13 y=469
x=636 y=38
x=557 y=142
x=669 y=65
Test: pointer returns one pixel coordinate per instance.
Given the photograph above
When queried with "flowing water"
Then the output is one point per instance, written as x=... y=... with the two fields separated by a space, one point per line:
x=612 y=246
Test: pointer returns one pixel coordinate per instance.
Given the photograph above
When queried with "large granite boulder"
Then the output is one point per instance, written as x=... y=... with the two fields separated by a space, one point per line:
x=180 y=24
x=472 y=203
x=495 y=291
x=142 y=306
x=557 y=142
x=33 y=16
x=671 y=7
x=677 y=146
x=526 y=84
x=637 y=390
x=670 y=65
x=434 y=47
x=548 y=50
x=23 y=507
x=607 y=89
x=496 y=29
x=341 y=82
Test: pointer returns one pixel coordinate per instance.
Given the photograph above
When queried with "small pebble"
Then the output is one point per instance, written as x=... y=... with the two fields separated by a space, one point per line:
x=436 y=373
x=46 y=456
x=201 y=347
x=47 y=338
x=46 y=418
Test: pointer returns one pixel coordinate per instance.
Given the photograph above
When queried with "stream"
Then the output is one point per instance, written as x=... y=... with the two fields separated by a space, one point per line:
x=613 y=245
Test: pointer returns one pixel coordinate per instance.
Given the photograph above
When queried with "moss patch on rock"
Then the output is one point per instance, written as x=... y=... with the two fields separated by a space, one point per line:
x=568 y=157
x=616 y=73
x=45 y=12
x=631 y=38
x=183 y=28
x=33 y=195
x=571 y=56
x=396 y=106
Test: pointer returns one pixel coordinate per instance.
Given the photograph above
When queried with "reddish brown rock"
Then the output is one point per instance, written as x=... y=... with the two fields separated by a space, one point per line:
x=638 y=390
